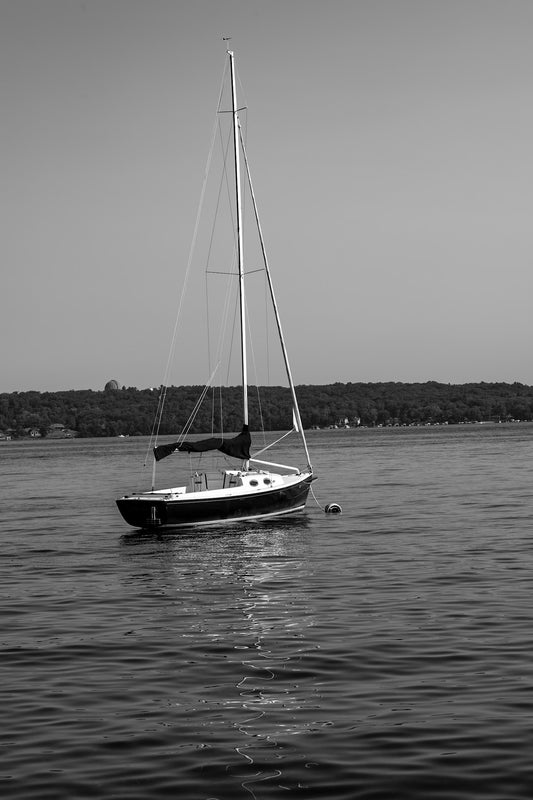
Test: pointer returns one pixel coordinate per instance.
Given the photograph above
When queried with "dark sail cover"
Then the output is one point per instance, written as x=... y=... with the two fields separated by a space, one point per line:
x=238 y=447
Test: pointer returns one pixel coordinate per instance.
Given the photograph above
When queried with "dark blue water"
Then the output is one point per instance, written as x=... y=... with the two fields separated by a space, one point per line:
x=384 y=653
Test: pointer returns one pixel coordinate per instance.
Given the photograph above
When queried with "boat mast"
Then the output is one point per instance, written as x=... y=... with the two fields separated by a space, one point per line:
x=240 y=248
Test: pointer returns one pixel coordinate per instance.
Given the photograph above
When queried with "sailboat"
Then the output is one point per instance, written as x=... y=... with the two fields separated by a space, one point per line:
x=247 y=487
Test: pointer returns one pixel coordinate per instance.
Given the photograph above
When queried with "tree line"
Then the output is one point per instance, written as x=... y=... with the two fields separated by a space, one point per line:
x=131 y=411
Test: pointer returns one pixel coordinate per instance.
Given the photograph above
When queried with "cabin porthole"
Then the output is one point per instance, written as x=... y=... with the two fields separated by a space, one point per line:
x=254 y=483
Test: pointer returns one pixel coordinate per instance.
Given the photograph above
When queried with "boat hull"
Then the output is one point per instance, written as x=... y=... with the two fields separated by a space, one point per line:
x=153 y=512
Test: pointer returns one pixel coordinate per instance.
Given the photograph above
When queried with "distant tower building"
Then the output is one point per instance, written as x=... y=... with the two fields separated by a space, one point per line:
x=111 y=386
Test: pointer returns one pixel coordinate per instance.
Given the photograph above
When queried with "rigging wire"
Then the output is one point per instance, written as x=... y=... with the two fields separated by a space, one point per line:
x=272 y=444
x=163 y=393
x=255 y=372
x=224 y=147
x=322 y=508
x=199 y=401
x=296 y=409
x=231 y=272
x=225 y=325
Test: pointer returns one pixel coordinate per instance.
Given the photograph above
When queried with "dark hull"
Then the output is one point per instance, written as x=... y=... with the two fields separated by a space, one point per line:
x=147 y=512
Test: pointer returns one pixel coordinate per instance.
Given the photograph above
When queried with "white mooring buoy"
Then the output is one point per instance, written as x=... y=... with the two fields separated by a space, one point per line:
x=333 y=508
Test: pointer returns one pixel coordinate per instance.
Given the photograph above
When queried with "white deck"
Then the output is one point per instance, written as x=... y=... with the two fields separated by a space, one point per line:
x=231 y=483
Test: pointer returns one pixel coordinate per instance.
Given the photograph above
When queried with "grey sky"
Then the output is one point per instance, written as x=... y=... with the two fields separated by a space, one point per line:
x=391 y=145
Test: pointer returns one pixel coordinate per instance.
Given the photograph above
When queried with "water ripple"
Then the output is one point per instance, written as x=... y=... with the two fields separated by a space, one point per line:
x=382 y=653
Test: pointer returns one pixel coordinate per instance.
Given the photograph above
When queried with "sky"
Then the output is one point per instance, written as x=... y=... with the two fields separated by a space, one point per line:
x=392 y=152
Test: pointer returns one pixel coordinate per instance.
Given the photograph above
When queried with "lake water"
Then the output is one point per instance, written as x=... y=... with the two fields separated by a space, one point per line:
x=383 y=653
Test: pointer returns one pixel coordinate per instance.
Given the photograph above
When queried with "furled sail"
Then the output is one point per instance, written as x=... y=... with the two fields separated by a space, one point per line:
x=237 y=447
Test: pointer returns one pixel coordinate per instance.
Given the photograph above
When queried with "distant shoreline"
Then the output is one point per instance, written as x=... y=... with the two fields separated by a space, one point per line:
x=131 y=412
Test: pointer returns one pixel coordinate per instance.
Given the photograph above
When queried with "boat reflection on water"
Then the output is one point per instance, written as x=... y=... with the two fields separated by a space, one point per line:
x=267 y=641
x=248 y=661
